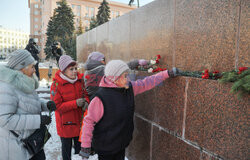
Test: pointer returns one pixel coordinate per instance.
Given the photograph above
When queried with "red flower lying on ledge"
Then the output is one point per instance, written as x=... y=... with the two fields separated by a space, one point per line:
x=205 y=74
x=159 y=69
x=152 y=66
x=241 y=69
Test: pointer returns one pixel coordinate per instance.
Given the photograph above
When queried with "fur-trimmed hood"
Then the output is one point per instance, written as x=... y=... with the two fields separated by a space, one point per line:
x=18 y=79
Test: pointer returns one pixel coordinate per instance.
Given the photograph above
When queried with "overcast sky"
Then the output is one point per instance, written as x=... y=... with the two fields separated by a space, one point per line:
x=14 y=14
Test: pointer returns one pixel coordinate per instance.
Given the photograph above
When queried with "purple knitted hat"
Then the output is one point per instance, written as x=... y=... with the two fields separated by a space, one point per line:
x=96 y=56
x=65 y=61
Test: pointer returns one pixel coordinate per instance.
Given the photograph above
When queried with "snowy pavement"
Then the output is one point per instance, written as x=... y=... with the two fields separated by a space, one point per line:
x=53 y=146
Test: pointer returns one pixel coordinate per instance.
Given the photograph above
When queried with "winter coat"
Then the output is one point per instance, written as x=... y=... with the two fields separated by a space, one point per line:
x=114 y=131
x=20 y=109
x=94 y=71
x=68 y=114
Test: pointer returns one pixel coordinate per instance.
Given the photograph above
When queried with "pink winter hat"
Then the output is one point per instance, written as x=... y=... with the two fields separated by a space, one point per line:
x=65 y=61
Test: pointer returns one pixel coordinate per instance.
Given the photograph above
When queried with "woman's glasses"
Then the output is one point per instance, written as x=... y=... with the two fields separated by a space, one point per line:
x=73 y=68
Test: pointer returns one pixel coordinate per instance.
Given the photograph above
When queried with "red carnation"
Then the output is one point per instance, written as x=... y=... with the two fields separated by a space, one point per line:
x=241 y=69
x=155 y=70
x=158 y=56
x=216 y=72
x=159 y=69
x=87 y=76
x=205 y=76
x=157 y=61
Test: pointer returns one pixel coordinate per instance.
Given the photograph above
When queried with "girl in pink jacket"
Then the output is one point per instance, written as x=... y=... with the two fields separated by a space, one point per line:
x=108 y=126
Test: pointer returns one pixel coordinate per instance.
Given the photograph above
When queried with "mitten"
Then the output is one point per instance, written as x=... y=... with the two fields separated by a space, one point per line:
x=174 y=72
x=45 y=120
x=51 y=106
x=84 y=153
x=86 y=105
x=143 y=62
x=80 y=102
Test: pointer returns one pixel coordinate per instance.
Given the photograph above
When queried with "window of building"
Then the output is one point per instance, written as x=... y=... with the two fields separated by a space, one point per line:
x=36 y=0
x=73 y=6
x=36 y=12
x=112 y=14
x=117 y=14
x=87 y=12
x=92 y=12
x=36 y=40
x=79 y=8
x=86 y=22
x=78 y=12
x=36 y=26
x=36 y=5
x=36 y=33
x=57 y=4
x=36 y=19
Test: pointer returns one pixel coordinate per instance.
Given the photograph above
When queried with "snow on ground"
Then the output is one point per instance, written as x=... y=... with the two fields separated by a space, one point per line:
x=53 y=147
x=43 y=84
x=47 y=64
x=3 y=62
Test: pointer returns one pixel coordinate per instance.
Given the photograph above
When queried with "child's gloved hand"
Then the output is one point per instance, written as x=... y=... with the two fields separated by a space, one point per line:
x=174 y=72
x=84 y=153
x=143 y=62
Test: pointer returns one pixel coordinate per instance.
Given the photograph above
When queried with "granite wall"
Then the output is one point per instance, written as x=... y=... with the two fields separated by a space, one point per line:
x=185 y=118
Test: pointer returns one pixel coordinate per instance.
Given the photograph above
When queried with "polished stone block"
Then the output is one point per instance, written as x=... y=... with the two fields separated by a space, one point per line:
x=244 y=37
x=164 y=104
x=152 y=31
x=168 y=147
x=102 y=44
x=205 y=156
x=144 y=102
x=206 y=34
x=217 y=120
x=81 y=47
x=139 y=148
x=119 y=38
x=92 y=40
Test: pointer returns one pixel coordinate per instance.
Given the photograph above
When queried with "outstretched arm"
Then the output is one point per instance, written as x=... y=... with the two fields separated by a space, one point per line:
x=142 y=85
x=150 y=82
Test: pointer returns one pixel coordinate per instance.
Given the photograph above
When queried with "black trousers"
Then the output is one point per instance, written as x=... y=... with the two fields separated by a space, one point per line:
x=117 y=156
x=67 y=146
x=39 y=156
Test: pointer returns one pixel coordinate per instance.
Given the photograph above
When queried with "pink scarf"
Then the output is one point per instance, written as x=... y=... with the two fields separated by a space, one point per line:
x=68 y=79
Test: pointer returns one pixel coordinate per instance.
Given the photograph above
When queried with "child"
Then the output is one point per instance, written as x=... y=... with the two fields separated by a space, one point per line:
x=108 y=125
x=70 y=96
